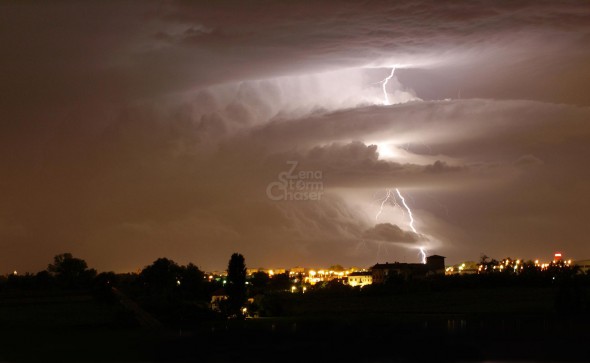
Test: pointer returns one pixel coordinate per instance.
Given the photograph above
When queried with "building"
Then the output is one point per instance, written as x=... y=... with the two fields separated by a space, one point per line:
x=252 y=271
x=313 y=276
x=361 y=278
x=465 y=268
x=435 y=265
x=297 y=270
x=275 y=271
x=217 y=299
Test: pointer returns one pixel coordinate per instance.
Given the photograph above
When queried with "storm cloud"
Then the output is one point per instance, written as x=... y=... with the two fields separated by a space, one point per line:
x=132 y=131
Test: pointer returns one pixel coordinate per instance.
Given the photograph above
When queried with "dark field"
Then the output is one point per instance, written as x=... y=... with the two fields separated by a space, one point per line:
x=463 y=325
x=493 y=300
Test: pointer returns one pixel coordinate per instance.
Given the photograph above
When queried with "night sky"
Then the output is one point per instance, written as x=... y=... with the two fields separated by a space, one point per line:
x=136 y=130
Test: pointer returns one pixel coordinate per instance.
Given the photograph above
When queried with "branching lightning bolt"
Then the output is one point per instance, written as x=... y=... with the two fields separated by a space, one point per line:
x=422 y=250
x=389 y=197
x=383 y=203
x=383 y=84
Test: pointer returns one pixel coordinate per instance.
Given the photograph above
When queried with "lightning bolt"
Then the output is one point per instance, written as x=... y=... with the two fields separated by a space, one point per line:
x=383 y=203
x=383 y=84
x=389 y=197
x=423 y=254
x=422 y=250
x=408 y=209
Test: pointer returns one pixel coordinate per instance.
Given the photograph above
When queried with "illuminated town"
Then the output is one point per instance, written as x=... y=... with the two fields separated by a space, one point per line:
x=302 y=278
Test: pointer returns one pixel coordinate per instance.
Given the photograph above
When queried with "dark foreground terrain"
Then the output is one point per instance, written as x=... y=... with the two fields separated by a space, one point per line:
x=515 y=324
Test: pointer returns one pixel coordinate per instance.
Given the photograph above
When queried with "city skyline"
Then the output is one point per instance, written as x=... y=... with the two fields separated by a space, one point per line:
x=293 y=132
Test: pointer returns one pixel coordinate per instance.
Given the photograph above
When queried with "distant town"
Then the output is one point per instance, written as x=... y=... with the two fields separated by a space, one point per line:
x=379 y=273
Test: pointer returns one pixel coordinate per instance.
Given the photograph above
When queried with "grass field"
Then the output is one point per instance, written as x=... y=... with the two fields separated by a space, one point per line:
x=505 y=300
x=463 y=325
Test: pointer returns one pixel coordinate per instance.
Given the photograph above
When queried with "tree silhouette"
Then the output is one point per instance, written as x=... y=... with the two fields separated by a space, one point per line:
x=192 y=281
x=487 y=264
x=484 y=259
x=336 y=268
x=71 y=272
x=259 y=281
x=280 y=282
x=161 y=278
x=236 y=285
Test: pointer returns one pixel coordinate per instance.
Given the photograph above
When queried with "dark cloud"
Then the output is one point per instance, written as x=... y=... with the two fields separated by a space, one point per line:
x=441 y=167
x=387 y=232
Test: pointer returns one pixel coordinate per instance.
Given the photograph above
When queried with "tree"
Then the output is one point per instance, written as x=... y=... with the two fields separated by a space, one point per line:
x=192 y=281
x=259 y=280
x=236 y=285
x=43 y=279
x=161 y=278
x=484 y=259
x=280 y=282
x=71 y=272
x=487 y=265
x=337 y=268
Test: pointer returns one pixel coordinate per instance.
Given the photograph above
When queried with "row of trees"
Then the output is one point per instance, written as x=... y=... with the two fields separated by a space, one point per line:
x=161 y=287
x=66 y=272
x=180 y=293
